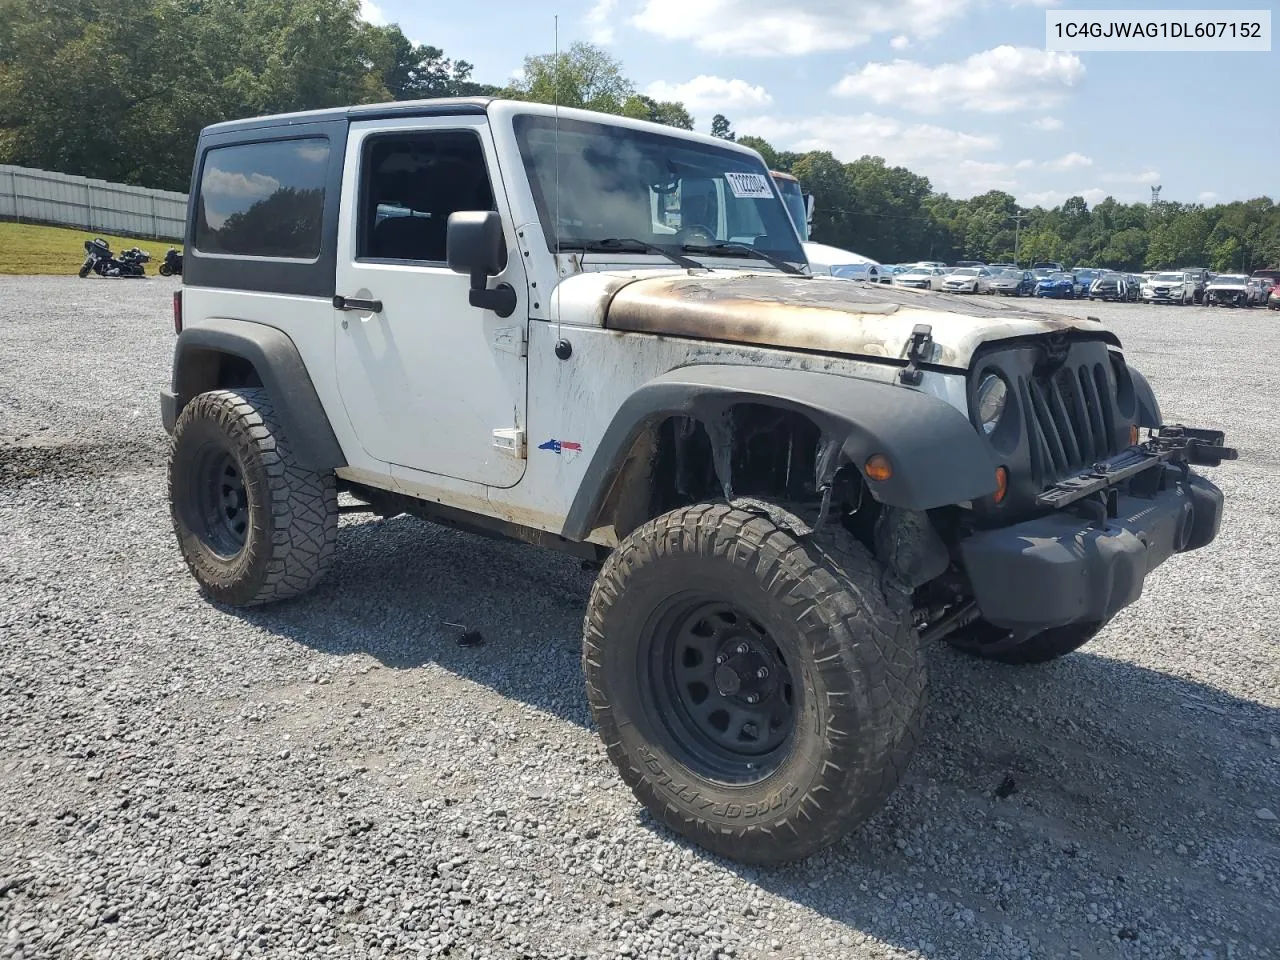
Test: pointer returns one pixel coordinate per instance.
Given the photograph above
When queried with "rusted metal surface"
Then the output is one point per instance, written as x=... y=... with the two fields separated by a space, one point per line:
x=824 y=315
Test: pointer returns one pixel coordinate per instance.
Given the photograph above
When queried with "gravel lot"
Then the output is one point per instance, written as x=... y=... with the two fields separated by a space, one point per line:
x=337 y=777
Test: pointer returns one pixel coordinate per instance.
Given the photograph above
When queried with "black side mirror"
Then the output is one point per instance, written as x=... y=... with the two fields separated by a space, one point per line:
x=476 y=245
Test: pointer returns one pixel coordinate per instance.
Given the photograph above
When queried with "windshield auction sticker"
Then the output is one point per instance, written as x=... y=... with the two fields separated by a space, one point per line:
x=1158 y=30
x=749 y=186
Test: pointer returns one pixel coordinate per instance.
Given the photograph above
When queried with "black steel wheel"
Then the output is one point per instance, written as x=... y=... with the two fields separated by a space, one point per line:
x=755 y=687
x=722 y=687
x=253 y=525
x=217 y=492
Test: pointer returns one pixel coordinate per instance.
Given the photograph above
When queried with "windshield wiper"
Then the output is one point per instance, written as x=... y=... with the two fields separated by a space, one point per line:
x=629 y=245
x=742 y=248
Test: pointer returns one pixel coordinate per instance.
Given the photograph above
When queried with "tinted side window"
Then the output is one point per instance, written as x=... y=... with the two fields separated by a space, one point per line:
x=410 y=184
x=263 y=199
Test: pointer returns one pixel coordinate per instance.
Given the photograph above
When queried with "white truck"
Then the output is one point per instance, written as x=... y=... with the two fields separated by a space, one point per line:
x=601 y=336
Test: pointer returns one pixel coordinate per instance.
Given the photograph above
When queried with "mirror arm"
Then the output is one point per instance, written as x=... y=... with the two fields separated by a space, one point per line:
x=501 y=299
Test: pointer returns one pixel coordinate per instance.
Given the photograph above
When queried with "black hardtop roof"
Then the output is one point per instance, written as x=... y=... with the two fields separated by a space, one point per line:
x=446 y=106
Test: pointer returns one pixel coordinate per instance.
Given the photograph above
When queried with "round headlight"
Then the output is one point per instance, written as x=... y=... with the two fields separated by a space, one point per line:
x=993 y=394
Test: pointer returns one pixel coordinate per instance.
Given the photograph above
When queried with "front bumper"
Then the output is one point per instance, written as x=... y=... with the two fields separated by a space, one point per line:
x=1064 y=568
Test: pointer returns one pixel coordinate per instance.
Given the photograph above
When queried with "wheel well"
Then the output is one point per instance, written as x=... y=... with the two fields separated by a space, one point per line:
x=204 y=370
x=751 y=450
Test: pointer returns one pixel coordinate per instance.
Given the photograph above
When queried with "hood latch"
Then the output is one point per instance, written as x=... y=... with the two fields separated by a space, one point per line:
x=918 y=351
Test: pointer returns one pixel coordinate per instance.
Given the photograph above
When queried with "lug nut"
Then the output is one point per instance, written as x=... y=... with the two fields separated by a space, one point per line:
x=720 y=658
x=753 y=698
x=743 y=648
x=762 y=673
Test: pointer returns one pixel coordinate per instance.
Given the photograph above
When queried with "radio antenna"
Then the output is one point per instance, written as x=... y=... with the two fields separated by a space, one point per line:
x=563 y=348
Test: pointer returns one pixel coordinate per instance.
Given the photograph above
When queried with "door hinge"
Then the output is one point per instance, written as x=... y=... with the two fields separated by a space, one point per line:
x=510 y=440
x=511 y=340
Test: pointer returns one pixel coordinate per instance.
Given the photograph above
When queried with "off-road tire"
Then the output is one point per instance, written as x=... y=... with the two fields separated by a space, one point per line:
x=977 y=638
x=850 y=651
x=291 y=526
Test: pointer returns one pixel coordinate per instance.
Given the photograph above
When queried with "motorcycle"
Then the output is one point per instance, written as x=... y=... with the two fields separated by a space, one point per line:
x=100 y=260
x=171 y=266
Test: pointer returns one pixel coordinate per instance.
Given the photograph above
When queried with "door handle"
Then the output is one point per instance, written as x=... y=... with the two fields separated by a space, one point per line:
x=350 y=303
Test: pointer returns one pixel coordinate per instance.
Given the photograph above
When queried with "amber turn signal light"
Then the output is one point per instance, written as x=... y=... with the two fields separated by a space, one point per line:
x=1002 y=484
x=878 y=467
x=1133 y=435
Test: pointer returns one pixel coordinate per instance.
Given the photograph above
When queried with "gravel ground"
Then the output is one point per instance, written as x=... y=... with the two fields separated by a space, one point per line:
x=337 y=777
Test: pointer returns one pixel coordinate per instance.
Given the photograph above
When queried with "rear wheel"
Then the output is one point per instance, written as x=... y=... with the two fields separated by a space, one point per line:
x=755 y=687
x=253 y=525
x=985 y=640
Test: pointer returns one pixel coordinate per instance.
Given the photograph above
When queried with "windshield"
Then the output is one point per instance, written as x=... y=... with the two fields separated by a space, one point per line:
x=1229 y=278
x=616 y=183
x=965 y=272
x=793 y=197
x=1169 y=277
x=1009 y=274
x=918 y=273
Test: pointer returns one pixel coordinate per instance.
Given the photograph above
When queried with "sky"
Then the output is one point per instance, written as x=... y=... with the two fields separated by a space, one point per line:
x=961 y=91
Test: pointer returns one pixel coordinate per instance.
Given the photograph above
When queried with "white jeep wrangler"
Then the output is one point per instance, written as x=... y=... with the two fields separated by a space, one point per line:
x=601 y=335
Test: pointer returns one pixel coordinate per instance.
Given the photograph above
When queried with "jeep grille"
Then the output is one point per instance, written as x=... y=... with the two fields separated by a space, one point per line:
x=1071 y=419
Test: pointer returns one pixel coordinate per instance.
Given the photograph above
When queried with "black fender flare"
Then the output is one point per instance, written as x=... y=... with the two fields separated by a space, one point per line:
x=1148 y=406
x=279 y=365
x=937 y=456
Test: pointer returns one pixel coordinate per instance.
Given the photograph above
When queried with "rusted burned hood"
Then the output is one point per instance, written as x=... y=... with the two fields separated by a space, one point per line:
x=824 y=315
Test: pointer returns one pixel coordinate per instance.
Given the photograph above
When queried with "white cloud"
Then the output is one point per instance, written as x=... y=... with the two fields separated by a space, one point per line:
x=1052 y=198
x=1146 y=176
x=598 y=21
x=980 y=176
x=1046 y=123
x=900 y=42
x=999 y=80
x=767 y=28
x=372 y=13
x=1207 y=197
x=1024 y=164
x=712 y=93
x=255 y=186
x=1069 y=161
x=936 y=152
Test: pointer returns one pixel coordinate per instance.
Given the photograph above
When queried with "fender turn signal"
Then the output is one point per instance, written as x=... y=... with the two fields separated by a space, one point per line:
x=878 y=467
x=1002 y=485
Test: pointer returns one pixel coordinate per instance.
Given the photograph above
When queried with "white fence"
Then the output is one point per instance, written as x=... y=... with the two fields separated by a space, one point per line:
x=41 y=196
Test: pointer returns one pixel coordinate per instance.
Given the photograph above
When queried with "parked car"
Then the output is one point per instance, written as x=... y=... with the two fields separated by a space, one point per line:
x=921 y=278
x=1109 y=286
x=1199 y=280
x=1011 y=282
x=1084 y=279
x=969 y=263
x=1059 y=285
x=1259 y=290
x=1171 y=287
x=1273 y=299
x=1002 y=266
x=1053 y=266
x=968 y=280
x=1228 y=290
x=930 y=263
x=1133 y=292
x=826 y=260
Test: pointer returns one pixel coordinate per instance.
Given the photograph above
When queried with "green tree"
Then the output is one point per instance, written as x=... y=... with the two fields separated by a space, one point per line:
x=641 y=107
x=764 y=148
x=584 y=76
x=720 y=127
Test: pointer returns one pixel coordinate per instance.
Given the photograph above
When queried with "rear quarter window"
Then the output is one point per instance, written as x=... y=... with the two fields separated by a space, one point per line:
x=263 y=199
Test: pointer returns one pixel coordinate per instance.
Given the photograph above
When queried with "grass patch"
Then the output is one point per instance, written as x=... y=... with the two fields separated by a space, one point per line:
x=27 y=248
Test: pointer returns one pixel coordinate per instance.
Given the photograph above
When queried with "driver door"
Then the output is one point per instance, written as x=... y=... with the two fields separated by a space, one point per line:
x=428 y=381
